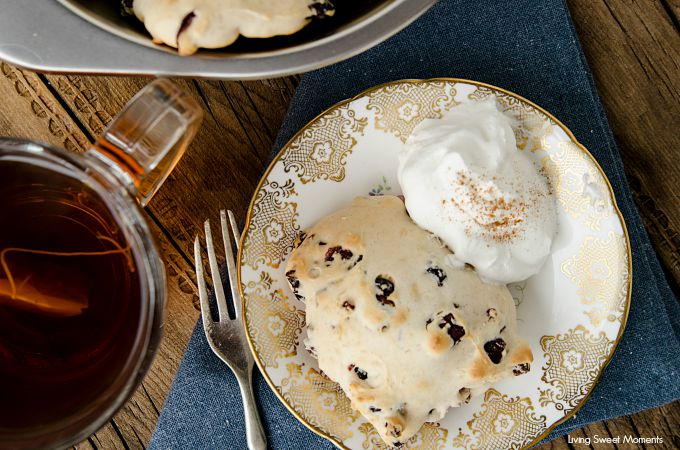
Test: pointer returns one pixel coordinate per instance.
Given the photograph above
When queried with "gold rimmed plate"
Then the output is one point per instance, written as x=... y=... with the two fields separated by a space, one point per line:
x=572 y=313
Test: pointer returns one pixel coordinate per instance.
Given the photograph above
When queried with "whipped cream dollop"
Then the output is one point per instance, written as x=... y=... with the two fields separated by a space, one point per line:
x=464 y=180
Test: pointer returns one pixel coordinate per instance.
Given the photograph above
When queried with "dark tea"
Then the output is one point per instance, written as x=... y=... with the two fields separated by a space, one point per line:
x=70 y=296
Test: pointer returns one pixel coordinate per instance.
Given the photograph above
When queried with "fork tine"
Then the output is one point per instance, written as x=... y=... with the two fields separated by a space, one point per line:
x=234 y=228
x=200 y=280
x=215 y=274
x=231 y=265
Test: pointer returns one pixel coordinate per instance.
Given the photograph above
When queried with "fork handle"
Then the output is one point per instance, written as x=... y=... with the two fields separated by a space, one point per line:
x=255 y=436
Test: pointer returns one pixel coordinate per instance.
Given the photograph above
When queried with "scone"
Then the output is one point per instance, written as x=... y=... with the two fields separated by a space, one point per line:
x=405 y=334
x=192 y=24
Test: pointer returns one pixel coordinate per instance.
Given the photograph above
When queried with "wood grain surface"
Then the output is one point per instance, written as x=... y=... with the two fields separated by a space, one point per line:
x=632 y=46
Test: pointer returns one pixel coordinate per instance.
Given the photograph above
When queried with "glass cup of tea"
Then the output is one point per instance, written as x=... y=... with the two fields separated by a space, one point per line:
x=82 y=284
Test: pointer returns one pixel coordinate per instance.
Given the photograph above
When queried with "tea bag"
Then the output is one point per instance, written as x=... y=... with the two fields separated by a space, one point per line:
x=41 y=282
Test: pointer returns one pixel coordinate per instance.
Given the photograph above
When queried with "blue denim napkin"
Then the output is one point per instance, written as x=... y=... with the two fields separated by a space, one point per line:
x=526 y=46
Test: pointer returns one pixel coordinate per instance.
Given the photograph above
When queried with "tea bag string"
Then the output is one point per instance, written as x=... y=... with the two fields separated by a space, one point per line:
x=5 y=266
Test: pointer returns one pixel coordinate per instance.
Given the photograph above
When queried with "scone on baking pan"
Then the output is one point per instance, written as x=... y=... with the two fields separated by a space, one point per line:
x=192 y=24
x=405 y=334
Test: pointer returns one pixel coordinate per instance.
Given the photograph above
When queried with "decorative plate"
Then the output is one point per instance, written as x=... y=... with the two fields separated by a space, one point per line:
x=572 y=313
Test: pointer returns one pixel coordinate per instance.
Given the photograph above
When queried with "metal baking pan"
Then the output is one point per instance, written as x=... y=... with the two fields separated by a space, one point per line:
x=91 y=37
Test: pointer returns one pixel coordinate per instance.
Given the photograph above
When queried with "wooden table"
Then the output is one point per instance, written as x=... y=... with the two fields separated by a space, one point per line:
x=633 y=47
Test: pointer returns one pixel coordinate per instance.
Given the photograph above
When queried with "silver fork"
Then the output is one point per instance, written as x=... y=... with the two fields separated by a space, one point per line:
x=227 y=337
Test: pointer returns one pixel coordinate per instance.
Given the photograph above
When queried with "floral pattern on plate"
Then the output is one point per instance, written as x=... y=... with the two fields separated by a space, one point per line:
x=572 y=313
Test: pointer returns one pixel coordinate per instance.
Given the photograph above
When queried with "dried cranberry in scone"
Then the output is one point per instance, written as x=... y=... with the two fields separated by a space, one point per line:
x=521 y=369
x=294 y=283
x=384 y=288
x=342 y=253
x=438 y=273
x=495 y=349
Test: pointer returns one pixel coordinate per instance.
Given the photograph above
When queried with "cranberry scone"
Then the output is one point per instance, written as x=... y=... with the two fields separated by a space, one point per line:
x=192 y=24
x=405 y=334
